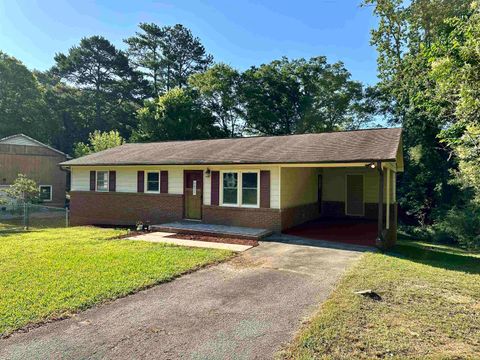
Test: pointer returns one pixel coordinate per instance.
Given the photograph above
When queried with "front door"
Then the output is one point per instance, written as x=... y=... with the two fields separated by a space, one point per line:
x=355 y=202
x=193 y=187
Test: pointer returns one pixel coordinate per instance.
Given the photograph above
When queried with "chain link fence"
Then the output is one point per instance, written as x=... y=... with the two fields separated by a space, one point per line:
x=22 y=216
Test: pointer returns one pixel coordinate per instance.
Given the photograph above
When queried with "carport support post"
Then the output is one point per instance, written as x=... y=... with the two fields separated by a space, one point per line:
x=380 y=200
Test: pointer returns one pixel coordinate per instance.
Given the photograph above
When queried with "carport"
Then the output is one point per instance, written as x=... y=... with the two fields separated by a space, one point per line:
x=349 y=231
x=351 y=203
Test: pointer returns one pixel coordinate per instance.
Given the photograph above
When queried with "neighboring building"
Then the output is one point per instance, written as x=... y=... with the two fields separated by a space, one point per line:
x=265 y=182
x=20 y=154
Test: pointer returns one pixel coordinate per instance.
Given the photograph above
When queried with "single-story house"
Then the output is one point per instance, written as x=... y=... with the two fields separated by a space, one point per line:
x=274 y=182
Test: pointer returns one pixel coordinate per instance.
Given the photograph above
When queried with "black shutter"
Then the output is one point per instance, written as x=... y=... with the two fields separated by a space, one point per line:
x=140 y=181
x=215 y=187
x=164 y=182
x=264 y=189
x=112 y=181
x=93 y=179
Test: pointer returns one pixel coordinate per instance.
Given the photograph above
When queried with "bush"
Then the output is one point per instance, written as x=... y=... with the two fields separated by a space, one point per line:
x=461 y=226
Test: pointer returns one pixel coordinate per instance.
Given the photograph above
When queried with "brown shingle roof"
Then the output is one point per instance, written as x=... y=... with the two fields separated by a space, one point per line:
x=346 y=146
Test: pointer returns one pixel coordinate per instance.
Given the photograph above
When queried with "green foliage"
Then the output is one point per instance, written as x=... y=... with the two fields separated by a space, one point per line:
x=98 y=141
x=460 y=226
x=219 y=89
x=177 y=115
x=145 y=52
x=109 y=87
x=23 y=189
x=53 y=273
x=183 y=55
x=455 y=67
x=167 y=56
x=406 y=35
x=298 y=96
x=22 y=106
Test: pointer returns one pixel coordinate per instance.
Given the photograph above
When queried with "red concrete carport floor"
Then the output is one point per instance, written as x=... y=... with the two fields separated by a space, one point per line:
x=349 y=231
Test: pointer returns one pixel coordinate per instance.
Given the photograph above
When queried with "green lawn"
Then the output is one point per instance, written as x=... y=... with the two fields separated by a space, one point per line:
x=430 y=308
x=51 y=273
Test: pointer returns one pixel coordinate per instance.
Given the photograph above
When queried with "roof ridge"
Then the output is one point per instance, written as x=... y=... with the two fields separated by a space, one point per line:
x=266 y=136
x=36 y=141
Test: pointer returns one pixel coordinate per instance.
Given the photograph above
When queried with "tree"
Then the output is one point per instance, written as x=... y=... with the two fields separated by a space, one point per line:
x=404 y=38
x=67 y=107
x=109 y=87
x=177 y=115
x=298 y=96
x=219 y=89
x=183 y=55
x=22 y=106
x=145 y=51
x=167 y=56
x=98 y=141
x=456 y=68
x=23 y=190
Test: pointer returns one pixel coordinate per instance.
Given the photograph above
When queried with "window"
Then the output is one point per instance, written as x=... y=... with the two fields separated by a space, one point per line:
x=153 y=182
x=45 y=192
x=102 y=180
x=240 y=188
x=230 y=188
x=250 y=189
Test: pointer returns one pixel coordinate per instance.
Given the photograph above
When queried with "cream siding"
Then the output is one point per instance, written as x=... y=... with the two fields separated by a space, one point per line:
x=299 y=186
x=207 y=189
x=274 y=181
x=80 y=179
x=175 y=180
x=334 y=184
x=127 y=178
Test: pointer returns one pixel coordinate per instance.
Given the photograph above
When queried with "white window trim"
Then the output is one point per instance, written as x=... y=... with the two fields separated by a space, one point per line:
x=96 y=180
x=51 y=191
x=346 y=194
x=239 y=188
x=146 y=182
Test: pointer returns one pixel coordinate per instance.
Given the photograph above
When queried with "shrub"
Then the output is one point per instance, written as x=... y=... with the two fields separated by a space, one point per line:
x=460 y=225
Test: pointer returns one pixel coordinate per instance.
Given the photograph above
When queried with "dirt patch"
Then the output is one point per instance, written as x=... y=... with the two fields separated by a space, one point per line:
x=130 y=234
x=225 y=240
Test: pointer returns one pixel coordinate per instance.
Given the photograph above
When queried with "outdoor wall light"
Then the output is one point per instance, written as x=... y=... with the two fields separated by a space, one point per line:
x=207 y=172
x=371 y=165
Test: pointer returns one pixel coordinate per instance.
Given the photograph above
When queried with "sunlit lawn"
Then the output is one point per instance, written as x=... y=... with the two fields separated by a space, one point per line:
x=51 y=273
x=430 y=308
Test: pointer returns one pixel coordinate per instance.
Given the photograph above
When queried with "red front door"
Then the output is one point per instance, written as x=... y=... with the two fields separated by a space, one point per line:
x=193 y=189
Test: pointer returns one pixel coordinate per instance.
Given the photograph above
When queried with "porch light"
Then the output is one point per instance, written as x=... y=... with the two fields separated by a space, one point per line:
x=371 y=165
x=207 y=172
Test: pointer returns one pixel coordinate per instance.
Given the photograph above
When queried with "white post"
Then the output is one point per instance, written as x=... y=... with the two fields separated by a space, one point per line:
x=388 y=199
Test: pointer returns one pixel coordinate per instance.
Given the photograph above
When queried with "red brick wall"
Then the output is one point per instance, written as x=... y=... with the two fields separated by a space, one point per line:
x=299 y=214
x=257 y=217
x=95 y=208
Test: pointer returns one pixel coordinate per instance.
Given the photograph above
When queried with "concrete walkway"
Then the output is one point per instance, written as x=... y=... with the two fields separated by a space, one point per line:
x=161 y=237
x=246 y=308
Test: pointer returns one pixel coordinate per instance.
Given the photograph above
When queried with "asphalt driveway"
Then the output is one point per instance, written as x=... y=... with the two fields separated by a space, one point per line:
x=246 y=308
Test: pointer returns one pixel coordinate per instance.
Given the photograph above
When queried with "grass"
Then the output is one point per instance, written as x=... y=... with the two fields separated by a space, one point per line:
x=52 y=273
x=430 y=308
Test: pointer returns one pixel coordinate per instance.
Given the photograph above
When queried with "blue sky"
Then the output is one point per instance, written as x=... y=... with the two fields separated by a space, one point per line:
x=238 y=32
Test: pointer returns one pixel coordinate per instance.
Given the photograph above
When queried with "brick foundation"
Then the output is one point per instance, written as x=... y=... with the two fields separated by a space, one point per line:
x=257 y=217
x=299 y=214
x=94 y=208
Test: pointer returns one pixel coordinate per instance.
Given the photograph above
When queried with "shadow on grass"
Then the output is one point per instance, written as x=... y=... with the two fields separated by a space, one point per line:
x=437 y=258
x=13 y=231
